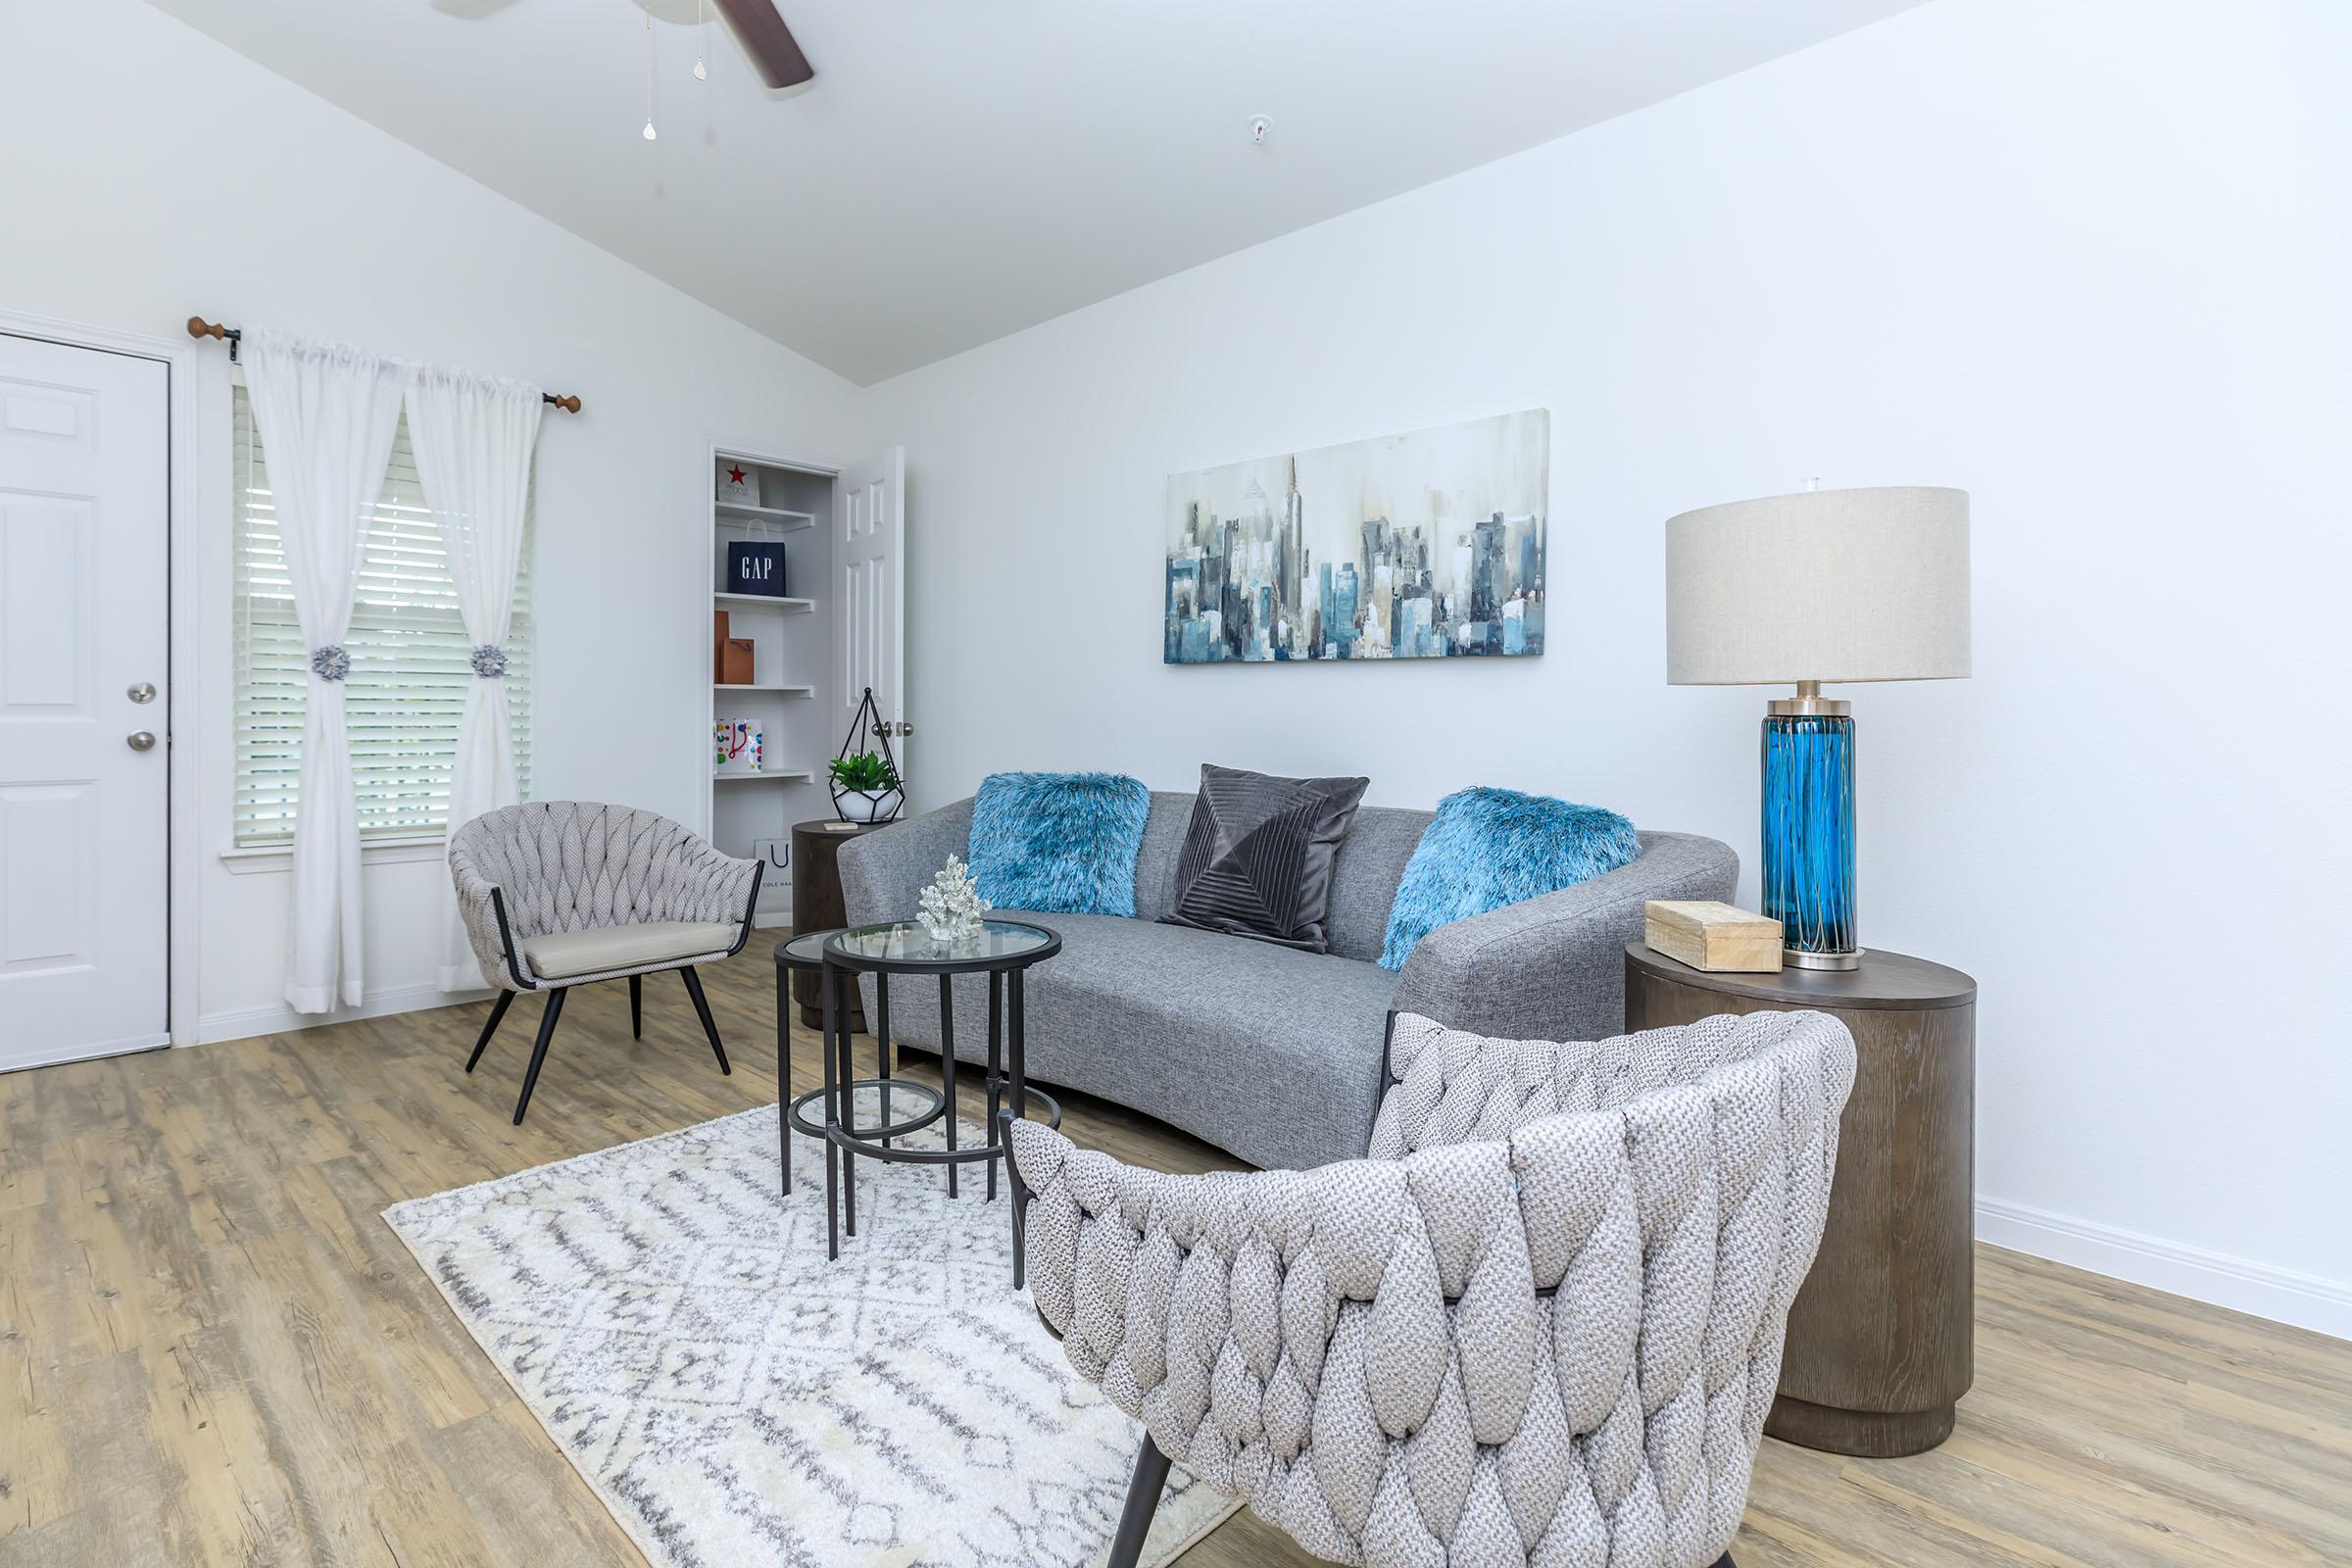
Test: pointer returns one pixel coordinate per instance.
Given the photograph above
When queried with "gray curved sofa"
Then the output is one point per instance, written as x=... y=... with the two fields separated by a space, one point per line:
x=1273 y=1054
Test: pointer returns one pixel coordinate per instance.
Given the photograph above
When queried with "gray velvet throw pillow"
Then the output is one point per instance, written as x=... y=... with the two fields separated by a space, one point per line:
x=1257 y=860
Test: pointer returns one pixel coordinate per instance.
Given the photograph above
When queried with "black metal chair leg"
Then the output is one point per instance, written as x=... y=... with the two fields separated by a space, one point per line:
x=497 y=1011
x=1143 y=1498
x=694 y=989
x=1725 y=1562
x=636 y=1006
x=546 y=1032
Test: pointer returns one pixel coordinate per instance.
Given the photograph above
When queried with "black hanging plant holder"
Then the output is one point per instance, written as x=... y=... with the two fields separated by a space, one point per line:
x=868 y=735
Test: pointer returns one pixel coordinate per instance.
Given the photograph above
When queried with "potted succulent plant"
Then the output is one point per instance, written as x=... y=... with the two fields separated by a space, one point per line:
x=865 y=787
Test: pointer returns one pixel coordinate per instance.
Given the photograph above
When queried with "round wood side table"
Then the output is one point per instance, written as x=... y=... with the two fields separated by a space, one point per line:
x=1882 y=1338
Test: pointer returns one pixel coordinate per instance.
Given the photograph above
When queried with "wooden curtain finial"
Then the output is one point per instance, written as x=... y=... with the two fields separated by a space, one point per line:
x=570 y=405
x=198 y=326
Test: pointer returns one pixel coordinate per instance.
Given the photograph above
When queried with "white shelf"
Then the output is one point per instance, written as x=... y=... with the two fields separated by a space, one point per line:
x=765 y=599
x=788 y=522
x=793 y=657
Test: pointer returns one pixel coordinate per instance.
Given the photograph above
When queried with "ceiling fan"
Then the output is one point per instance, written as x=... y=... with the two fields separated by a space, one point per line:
x=766 y=41
x=758 y=27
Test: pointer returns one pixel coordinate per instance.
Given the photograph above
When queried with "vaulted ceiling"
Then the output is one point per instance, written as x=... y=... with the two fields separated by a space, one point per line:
x=962 y=168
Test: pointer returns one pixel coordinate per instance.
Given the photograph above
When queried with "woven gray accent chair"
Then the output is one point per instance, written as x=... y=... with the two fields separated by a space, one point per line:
x=558 y=894
x=1541 y=1324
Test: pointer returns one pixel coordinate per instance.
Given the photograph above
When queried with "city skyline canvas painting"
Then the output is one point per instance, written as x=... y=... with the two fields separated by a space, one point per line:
x=1424 y=544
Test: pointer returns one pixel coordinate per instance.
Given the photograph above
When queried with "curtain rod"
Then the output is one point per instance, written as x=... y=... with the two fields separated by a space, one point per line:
x=198 y=326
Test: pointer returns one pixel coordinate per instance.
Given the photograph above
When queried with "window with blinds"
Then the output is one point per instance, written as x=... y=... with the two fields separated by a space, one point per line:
x=410 y=660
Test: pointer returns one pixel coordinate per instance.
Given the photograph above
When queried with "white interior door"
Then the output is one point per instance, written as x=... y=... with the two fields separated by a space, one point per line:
x=84 y=746
x=869 y=583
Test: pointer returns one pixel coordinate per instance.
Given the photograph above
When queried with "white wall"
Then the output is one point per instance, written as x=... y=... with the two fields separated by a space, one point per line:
x=152 y=174
x=2088 y=260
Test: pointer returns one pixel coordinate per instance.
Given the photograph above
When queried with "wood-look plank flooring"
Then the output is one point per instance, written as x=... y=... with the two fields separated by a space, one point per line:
x=212 y=1350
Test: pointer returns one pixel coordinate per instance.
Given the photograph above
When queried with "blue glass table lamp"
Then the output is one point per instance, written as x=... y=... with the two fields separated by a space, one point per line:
x=1822 y=586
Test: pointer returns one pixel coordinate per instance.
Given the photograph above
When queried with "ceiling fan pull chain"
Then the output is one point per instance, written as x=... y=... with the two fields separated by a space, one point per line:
x=702 y=37
x=649 y=75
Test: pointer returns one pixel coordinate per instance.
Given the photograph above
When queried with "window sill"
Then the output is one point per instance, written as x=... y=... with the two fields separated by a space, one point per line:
x=273 y=857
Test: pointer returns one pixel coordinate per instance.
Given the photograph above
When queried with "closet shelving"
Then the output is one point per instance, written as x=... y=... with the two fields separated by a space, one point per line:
x=784 y=519
x=792 y=668
x=765 y=601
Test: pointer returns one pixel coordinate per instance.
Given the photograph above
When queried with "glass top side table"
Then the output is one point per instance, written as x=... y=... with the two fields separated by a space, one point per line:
x=804 y=954
x=1004 y=950
x=904 y=947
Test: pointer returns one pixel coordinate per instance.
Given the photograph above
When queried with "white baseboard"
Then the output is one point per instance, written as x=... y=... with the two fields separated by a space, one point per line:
x=243 y=1023
x=2282 y=1294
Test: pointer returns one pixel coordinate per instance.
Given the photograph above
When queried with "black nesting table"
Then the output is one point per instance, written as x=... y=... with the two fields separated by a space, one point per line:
x=1004 y=950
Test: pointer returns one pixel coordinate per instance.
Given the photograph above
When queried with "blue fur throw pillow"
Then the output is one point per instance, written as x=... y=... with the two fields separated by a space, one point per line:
x=1485 y=848
x=1058 y=842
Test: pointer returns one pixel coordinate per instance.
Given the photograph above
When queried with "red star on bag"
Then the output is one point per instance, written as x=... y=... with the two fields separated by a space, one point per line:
x=735 y=476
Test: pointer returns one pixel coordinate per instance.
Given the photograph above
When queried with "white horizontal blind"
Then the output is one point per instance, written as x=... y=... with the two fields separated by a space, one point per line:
x=410 y=660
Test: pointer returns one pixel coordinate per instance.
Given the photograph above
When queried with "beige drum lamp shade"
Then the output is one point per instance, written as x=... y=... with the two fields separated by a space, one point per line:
x=1825 y=585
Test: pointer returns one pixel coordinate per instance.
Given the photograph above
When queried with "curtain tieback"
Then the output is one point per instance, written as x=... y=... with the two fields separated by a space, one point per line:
x=490 y=662
x=331 y=662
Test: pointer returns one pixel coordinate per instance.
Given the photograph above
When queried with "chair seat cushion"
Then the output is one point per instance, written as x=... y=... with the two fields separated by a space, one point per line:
x=602 y=948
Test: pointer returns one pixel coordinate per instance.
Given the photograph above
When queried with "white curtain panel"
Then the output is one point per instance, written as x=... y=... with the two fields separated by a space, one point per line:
x=473 y=437
x=327 y=414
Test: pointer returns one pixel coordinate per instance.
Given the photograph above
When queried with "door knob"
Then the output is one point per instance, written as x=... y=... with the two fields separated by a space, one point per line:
x=143 y=692
x=143 y=740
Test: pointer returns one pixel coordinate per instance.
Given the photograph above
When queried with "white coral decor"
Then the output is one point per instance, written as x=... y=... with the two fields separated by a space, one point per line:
x=952 y=908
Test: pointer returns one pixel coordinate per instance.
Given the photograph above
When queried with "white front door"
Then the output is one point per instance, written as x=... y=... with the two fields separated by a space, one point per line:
x=870 y=585
x=84 y=743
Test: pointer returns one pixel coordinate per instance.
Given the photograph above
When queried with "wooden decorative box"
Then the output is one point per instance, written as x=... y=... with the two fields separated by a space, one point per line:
x=1708 y=935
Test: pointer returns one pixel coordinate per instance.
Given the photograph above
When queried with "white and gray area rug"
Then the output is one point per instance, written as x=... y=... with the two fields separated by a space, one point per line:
x=736 y=1400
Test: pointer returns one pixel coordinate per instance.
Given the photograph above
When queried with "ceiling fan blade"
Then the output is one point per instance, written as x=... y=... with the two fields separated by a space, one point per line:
x=767 y=41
